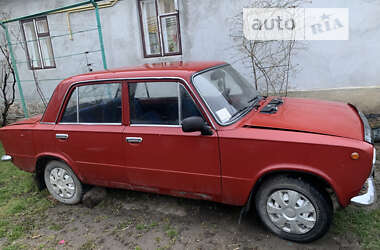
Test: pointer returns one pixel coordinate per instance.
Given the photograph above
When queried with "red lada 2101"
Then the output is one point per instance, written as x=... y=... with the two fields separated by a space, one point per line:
x=200 y=130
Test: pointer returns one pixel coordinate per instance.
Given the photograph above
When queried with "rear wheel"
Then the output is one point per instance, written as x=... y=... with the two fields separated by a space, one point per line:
x=62 y=183
x=294 y=209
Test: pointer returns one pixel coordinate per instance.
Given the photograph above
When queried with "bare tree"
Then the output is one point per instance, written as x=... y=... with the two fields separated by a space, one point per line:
x=7 y=81
x=7 y=71
x=270 y=61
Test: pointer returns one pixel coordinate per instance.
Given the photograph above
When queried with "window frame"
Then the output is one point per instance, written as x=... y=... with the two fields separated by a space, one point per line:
x=160 y=33
x=179 y=86
x=199 y=102
x=39 y=36
x=178 y=32
x=70 y=93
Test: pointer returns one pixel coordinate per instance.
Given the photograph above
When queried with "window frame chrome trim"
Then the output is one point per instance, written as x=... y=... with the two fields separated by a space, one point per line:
x=155 y=125
x=77 y=103
x=208 y=107
x=195 y=94
x=88 y=123
x=179 y=103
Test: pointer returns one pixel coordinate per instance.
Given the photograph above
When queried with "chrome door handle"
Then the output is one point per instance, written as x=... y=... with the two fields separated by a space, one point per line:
x=134 y=139
x=62 y=136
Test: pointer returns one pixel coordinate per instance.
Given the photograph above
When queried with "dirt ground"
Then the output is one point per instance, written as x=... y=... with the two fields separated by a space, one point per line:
x=135 y=220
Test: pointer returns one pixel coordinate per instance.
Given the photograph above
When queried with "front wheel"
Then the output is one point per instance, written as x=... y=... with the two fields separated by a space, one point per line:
x=62 y=183
x=294 y=209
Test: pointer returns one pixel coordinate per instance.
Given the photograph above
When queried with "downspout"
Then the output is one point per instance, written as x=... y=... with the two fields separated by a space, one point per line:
x=13 y=60
x=100 y=33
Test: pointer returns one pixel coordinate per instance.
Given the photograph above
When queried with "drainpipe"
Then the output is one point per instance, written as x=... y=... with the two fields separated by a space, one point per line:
x=100 y=33
x=13 y=61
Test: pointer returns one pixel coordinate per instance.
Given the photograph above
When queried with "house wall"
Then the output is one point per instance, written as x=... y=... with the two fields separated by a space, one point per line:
x=205 y=30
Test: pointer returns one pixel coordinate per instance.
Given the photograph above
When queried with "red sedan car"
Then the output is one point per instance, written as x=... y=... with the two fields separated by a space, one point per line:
x=200 y=130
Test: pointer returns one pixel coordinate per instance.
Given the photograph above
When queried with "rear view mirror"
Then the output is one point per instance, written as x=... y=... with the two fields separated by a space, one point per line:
x=194 y=124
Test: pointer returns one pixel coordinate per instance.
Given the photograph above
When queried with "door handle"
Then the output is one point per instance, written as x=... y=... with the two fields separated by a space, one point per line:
x=134 y=139
x=62 y=136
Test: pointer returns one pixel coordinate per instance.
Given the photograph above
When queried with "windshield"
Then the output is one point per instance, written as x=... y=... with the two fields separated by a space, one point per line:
x=226 y=93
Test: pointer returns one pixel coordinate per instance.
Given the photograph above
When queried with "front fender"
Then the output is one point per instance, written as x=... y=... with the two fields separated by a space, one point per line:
x=298 y=169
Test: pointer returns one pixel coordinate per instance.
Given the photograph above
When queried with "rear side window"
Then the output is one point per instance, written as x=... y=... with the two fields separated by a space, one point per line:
x=96 y=103
x=71 y=114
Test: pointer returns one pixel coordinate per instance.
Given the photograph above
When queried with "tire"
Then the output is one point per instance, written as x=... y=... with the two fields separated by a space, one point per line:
x=62 y=183
x=280 y=202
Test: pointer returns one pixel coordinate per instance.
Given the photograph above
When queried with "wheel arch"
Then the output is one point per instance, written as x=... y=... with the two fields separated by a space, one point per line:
x=43 y=159
x=321 y=181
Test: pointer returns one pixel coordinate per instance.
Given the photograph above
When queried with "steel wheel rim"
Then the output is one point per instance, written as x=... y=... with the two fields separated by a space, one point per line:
x=62 y=183
x=291 y=211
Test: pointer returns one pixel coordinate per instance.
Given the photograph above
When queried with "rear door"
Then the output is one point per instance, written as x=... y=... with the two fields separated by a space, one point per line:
x=90 y=132
x=160 y=157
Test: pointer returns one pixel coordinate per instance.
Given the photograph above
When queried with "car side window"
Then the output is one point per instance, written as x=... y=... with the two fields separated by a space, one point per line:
x=160 y=103
x=188 y=107
x=70 y=115
x=96 y=103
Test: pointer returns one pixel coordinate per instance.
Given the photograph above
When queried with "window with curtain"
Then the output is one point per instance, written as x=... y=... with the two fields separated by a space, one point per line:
x=160 y=27
x=39 y=49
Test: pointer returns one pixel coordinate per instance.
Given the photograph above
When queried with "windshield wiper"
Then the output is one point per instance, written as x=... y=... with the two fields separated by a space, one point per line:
x=255 y=101
x=240 y=111
x=252 y=103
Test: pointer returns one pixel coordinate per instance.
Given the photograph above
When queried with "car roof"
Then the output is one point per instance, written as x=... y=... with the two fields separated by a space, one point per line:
x=179 y=69
x=169 y=69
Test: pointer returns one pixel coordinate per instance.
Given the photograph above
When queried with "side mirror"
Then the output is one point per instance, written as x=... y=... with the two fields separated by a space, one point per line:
x=194 y=124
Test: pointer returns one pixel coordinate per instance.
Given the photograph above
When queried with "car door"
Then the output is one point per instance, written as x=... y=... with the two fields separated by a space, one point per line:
x=162 y=158
x=90 y=132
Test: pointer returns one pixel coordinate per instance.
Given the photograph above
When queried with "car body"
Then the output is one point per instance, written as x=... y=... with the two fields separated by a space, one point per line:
x=117 y=128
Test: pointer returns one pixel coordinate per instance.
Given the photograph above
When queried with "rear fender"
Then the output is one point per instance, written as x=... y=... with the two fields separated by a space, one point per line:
x=63 y=158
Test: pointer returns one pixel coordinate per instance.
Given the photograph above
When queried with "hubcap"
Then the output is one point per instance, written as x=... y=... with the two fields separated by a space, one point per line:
x=62 y=183
x=291 y=211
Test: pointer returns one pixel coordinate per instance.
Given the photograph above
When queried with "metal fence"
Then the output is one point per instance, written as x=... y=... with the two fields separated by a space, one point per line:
x=81 y=57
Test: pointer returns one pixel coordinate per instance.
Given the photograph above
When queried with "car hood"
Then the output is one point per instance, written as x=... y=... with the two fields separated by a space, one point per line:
x=311 y=116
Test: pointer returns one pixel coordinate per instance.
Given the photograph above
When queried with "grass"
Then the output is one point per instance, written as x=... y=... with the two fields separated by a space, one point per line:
x=363 y=223
x=21 y=204
x=171 y=233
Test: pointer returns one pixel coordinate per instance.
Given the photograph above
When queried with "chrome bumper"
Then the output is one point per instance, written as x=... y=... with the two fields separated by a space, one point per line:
x=369 y=197
x=6 y=158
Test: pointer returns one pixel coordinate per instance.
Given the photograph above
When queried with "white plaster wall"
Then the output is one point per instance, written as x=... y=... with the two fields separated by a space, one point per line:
x=332 y=64
x=205 y=31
